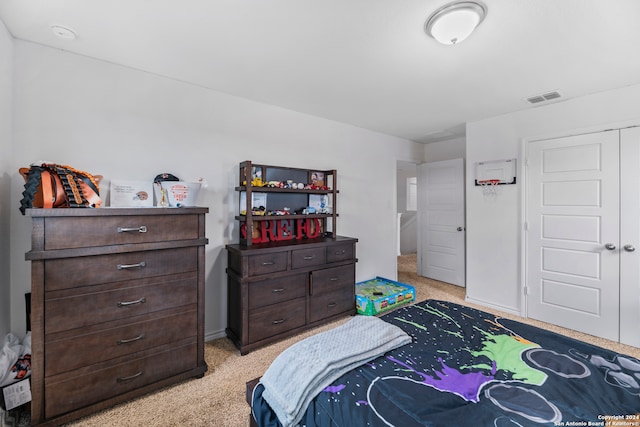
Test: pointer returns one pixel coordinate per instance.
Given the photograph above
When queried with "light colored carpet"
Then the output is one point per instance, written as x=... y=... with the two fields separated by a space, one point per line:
x=218 y=399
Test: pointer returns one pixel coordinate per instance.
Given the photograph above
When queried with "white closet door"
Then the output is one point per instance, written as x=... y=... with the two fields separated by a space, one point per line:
x=630 y=236
x=573 y=232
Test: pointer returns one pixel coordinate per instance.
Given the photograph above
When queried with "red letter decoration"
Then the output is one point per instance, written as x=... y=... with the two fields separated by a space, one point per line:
x=314 y=228
x=269 y=231
x=285 y=231
x=300 y=229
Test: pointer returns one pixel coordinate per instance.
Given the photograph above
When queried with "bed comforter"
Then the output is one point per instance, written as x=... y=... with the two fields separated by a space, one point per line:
x=465 y=367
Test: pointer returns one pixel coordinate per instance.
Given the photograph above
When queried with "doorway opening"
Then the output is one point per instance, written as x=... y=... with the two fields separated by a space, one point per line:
x=407 y=208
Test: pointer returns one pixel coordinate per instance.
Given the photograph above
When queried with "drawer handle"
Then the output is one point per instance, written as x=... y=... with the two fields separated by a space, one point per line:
x=333 y=304
x=333 y=279
x=127 y=303
x=125 y=266
x=277 y=322
x=275 y=291
x=139 y=337
x=125 y=379
x=141 y=229
x=308 y=258
x=342 y=252
x=268 y=263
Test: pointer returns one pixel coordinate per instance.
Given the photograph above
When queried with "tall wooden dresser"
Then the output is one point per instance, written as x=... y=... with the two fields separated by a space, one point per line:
x=117 y=306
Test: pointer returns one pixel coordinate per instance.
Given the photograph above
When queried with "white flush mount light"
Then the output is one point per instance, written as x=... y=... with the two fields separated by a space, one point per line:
x=63 y=32
x=454 y=22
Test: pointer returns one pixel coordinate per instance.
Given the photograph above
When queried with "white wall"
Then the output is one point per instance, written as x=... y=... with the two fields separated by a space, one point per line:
x=6 y=202
x=494 y=226
x=445 y=150
x=127 y=124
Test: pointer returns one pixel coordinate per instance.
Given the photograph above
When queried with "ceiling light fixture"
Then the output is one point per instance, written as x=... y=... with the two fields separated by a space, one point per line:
x=454 y=22
x=63 y=32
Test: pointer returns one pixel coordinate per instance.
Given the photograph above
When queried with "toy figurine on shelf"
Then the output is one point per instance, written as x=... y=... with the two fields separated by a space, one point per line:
x=279 y=212
x=259 y=211
x=309 y=210
x=316 y=187
x=257 y=182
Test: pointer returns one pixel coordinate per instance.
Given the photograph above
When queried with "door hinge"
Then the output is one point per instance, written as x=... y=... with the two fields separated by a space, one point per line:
x=526 y=290
x=526 y=226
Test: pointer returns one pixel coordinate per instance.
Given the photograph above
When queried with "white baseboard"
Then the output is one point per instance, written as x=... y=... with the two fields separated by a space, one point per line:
x=487 y=304
x=210 y=336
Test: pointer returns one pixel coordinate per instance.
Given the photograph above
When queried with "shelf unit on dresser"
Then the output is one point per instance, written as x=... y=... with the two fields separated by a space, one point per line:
x=303 y=278
x=117 y=306
x=283 y=195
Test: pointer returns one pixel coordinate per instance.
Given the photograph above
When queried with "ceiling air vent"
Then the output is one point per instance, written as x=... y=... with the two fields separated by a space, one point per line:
x=549 y=96
x=535 y=99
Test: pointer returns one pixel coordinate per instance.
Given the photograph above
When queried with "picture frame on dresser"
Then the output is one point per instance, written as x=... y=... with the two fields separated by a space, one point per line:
x=290 y=271
x=117 y=306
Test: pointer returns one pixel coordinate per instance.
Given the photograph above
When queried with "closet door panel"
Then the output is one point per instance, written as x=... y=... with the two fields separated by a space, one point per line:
x=630 y=236
x=573 y=232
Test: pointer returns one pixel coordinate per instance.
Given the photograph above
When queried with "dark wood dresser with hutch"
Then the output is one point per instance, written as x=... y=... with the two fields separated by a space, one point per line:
x=301 y=274
x=117 y=306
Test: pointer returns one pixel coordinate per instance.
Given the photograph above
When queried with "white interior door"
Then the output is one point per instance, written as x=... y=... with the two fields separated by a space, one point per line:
x=441 y=222
x=572 y=242
x=630 y=236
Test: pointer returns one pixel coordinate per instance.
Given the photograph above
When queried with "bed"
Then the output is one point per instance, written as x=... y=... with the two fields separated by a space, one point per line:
x=466 y=367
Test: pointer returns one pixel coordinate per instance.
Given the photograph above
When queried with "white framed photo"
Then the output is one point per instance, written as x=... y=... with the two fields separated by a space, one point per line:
x=131 y=194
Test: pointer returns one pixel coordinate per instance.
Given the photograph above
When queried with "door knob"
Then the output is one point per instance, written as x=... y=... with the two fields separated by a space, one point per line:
x=459 y=228
x=610 y=246
x=629 y=248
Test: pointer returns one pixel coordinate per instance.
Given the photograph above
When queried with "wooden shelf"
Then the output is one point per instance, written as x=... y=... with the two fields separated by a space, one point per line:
x=278 y=217
x=285 y=190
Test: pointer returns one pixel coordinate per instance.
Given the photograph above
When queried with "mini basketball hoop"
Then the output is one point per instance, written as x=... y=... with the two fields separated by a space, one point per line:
x=489 y=186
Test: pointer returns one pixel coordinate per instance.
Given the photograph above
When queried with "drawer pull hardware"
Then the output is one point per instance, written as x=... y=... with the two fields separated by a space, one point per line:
x=342 y=252
x=125 y=266
x=268 y=263
x=333 y=304
x=124 y=379
x=275 y=291
x=139 y=337
x=127 y=303
x=141 y=229
x=277 y=322
x=333 y=279
x=308 y=257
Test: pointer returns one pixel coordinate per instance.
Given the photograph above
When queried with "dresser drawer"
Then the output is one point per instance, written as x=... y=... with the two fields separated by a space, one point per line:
x=340 y=252
x=65 y=312
x=272 y=291
x=89 y=348
x=276 y=319
x=330 y=279
x=267 y=263
x=301 y=258
x=81 y=232
x=67 y=392
x=331 y=303
x=92 y=270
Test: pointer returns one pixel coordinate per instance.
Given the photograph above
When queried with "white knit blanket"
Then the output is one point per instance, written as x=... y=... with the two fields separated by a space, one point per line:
x=303 y=370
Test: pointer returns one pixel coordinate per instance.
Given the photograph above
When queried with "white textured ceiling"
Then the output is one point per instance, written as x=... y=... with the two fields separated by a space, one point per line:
x=362 y=62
